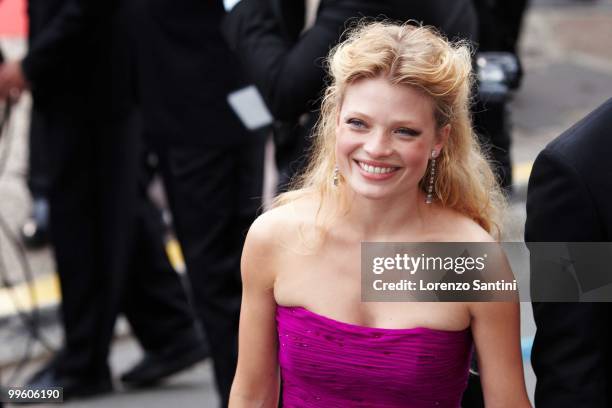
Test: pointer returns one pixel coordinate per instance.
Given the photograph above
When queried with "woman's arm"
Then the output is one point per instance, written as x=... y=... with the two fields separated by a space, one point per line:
x=256 y=383
x=496 y=331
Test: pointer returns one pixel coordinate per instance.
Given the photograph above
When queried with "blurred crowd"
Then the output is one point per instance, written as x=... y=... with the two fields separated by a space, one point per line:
x=189 y=91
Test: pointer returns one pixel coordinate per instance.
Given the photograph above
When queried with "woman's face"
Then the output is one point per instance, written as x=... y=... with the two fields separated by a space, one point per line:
x=385 y=134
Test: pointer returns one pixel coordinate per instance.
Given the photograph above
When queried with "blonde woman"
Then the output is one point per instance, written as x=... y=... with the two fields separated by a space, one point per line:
x=398 y=100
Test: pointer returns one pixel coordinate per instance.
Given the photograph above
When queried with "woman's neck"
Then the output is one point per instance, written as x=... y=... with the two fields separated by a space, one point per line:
x=386 y=219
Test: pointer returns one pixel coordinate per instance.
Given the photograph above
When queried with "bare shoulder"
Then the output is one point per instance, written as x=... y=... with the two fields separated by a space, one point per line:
x=260 y=250
x=273 y=230
x=461 y=228
x=464 y=229
x=263 y=237
x=265 y=228
x=282 y=222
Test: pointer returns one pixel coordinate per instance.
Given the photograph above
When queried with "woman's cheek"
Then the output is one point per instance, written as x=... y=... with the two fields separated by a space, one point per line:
x=418 y=161
x=345 y=146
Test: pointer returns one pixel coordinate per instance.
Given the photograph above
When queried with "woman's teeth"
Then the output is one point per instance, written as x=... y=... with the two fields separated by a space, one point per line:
x=375 y=169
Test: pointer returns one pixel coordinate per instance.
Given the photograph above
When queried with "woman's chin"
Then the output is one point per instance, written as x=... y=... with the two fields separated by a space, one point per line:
x=378 y=191
x=371 y=192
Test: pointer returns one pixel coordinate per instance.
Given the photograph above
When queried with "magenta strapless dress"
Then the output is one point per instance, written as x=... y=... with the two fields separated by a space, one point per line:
x=326 y=363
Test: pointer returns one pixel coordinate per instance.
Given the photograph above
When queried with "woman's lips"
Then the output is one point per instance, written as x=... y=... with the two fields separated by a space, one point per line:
x=375 y=170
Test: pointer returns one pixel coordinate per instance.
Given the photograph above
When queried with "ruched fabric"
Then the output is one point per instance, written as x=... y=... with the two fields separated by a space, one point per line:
x=326 y=363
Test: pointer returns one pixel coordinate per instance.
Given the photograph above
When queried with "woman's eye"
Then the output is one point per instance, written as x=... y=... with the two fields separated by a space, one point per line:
x=408 y=132
x=356 y=123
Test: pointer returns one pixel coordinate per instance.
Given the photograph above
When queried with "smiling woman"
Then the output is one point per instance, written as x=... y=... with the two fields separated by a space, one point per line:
x=394 y=160
x=411 y=83
x=384 y=135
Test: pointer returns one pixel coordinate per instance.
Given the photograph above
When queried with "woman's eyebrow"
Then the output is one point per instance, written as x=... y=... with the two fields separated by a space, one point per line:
x=405 y=122
x=357 y=113
x=395 y=122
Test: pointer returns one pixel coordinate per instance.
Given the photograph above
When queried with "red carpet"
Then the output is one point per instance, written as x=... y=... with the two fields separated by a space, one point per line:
x=13 y=20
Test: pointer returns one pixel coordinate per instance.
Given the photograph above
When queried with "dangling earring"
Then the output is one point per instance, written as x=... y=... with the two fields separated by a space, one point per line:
x=432 y=173
x=336 y=177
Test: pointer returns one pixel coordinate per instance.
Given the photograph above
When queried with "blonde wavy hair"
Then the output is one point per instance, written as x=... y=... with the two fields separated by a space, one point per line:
x=420 y=57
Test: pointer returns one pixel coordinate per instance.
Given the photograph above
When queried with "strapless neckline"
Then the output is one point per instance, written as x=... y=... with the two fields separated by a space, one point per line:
x=329 y=363
x=352 y=326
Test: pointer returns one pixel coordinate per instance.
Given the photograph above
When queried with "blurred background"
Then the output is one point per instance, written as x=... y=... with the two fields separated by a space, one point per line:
x=567 y=61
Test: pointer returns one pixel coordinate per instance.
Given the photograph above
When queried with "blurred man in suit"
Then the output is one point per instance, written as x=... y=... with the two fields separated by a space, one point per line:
x=79 y=70
x=211 y=165
x=570 y=200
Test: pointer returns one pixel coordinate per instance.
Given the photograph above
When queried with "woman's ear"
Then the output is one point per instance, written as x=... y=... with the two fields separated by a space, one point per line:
x=442 y=137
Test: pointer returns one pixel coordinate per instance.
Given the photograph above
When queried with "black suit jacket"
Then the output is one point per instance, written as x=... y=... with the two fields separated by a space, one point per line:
x=78 y=62
x=570 y=200
x=186 y=72
x=288 y=69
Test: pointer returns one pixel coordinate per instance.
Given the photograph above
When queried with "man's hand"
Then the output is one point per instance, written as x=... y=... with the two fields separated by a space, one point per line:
x=12 y=80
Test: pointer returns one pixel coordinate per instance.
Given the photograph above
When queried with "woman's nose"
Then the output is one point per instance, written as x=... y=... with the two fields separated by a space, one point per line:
x=378 y=144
